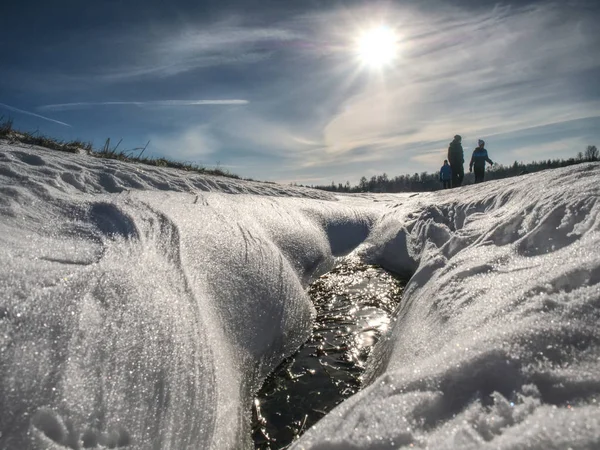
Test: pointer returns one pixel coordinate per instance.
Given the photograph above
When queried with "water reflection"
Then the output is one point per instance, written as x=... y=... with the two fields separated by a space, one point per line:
x=354 y=303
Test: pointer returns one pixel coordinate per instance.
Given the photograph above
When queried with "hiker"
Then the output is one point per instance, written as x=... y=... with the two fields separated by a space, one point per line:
x=456 y=158
x=446 y=175
x=480 y=156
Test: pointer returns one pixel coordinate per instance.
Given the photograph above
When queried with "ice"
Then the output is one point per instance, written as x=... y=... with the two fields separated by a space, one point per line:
x=142 y=307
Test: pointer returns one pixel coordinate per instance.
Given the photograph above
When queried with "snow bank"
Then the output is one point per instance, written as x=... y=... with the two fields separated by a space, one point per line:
x=496 y=342
x=143 y=306
x=149 y=318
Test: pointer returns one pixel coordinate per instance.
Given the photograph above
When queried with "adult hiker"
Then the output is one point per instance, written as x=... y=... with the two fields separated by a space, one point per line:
x=446 y=175
x=456 y=158
x=478 y=160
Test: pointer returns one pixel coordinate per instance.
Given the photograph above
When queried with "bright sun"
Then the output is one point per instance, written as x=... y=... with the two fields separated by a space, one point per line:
x=377 y=47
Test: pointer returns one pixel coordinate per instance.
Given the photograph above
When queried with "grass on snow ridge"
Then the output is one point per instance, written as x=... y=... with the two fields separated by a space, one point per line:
x=8 y=132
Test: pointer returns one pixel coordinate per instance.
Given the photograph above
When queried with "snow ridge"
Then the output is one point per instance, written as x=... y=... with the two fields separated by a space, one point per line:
x=148 y=318
x=143 y=307
x=496 y=340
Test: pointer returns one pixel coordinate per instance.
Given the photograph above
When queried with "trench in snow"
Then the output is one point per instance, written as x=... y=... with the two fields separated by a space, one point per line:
x=355 y=303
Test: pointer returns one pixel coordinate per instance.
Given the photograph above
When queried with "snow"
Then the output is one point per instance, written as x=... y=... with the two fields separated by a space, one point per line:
x=496 y=339
x=142 y=307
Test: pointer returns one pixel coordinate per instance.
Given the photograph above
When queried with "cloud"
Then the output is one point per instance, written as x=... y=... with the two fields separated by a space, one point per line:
x=252 y=140
x=432 y=158
x=480 y=71
x=171 y=52
x=479 y=74
x=191 y=145
x=549 y=150
x=21 y=111
x=152 y=53
x=260 y=133
x=155 y=103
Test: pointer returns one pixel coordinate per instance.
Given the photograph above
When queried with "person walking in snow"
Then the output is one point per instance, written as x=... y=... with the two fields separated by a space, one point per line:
x=446 y=174
x=456 y=158
x=478 y=160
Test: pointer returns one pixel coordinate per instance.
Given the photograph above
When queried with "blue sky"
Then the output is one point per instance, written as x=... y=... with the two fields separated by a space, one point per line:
x=274 y=90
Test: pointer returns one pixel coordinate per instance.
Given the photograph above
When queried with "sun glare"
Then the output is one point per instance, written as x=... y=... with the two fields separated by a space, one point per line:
x=377 y=47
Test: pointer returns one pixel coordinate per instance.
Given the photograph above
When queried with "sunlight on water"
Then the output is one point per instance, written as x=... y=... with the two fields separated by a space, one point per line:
x=354 y=303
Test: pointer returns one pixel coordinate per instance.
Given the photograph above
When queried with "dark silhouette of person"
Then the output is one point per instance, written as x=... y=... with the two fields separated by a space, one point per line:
x=456 y=158
x=478 y=160
x=446 y=175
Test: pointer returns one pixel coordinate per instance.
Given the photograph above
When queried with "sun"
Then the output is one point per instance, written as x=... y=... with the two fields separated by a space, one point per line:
x=377 y=47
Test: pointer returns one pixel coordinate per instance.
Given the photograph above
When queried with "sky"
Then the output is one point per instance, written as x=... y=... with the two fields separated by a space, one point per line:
x=277 y=90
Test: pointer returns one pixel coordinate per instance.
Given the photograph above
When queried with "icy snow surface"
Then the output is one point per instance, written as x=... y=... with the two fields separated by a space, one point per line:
x=142 y=307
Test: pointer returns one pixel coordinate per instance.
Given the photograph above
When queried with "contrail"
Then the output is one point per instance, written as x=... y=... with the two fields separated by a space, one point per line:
x=12 y=108
x=79 y=105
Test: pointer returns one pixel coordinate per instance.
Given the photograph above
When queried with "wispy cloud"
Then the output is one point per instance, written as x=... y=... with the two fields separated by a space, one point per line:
x=498 y=72
x=156 y=53
x=193 y=144
x=171 y=52
x=155 y=103
x=549 y=150
x=480 y=71
x=29 y=113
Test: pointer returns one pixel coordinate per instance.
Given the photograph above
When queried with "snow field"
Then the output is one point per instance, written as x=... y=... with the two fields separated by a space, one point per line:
x=143 y=307
x=496 y=340
x=148 y=317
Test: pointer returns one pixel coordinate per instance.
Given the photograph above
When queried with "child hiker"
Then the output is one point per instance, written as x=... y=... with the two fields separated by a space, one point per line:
x=446 y=175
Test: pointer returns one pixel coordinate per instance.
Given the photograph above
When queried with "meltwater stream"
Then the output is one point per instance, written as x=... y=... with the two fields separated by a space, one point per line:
x=354 y=303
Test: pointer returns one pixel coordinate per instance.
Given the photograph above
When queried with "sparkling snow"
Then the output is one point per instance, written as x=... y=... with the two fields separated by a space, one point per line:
x=142 y=307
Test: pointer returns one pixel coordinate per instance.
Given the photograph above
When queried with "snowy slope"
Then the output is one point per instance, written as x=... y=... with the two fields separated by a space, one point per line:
x=150 y=317
x=496 y=342
x=143 y=306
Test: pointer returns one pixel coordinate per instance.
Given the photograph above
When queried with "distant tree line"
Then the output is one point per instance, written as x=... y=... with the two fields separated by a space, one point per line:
x=424 y=181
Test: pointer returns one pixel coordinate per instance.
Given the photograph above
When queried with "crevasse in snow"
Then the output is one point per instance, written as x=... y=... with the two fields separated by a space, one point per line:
x=142 y=307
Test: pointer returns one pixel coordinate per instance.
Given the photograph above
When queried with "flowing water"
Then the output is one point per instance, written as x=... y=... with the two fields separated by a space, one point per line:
x=355 y=304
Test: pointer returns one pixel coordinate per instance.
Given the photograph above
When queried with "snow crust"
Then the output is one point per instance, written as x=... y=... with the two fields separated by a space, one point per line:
x=142 y=307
